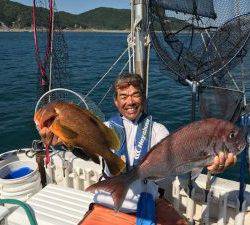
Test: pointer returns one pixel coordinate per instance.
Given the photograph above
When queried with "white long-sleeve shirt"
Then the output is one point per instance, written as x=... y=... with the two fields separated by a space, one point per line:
x=159 y=132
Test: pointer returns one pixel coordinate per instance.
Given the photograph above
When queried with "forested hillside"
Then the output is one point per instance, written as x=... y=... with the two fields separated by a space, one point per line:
x=15 y=15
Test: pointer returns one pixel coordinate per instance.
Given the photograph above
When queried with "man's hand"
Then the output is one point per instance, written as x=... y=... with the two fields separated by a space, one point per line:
x=222 y=162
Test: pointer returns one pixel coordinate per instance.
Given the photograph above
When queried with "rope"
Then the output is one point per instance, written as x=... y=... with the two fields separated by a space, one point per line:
x=37 y=50
x=51 y=6
x=41 y=62
x=112 y=66
x=105 y=95
x=131 y=52
x=25 y=206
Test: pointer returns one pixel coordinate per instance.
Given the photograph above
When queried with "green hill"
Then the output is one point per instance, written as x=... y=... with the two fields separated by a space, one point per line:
x=16 y=15
x=106 y=18
x=13 y=14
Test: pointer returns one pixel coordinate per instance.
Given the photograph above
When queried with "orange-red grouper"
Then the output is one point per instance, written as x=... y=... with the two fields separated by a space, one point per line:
x=68 y=124
x=193 y=146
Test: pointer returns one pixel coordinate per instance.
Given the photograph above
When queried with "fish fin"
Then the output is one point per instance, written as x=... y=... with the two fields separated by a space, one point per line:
x=113 y=139
x=188 y=165
x=196 y=172
x=115 y=164
x=117 y=186
x=58 y=127
x=81 y=153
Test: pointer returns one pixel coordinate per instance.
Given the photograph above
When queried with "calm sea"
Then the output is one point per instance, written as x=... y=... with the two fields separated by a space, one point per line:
x=90 y=55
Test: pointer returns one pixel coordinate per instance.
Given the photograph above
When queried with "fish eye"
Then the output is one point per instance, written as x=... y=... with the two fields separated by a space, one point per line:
x=232 y=135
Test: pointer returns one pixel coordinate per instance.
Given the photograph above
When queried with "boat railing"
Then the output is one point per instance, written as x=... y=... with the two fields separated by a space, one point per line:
x=75 y=173
x=220 y=205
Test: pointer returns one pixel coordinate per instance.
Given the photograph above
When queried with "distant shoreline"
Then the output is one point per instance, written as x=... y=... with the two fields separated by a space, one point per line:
x=68 y=30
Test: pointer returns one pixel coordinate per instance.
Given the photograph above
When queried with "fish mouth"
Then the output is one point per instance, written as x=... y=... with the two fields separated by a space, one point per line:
x=43 y=120
x=48 y=137
x=236 y=150
x=44 y=117
x=48 y=122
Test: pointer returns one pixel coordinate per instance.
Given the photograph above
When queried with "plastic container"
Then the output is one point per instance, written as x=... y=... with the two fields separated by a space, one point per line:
x=19 y=180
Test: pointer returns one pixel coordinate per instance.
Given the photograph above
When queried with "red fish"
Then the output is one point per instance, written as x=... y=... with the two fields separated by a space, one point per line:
x=193 y=146
x=68 y=124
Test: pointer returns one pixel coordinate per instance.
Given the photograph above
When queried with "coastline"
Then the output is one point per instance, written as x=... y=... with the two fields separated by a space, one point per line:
x=69 y=30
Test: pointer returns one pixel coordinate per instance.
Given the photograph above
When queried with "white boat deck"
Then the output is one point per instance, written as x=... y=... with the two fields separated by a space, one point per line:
x=54 y=205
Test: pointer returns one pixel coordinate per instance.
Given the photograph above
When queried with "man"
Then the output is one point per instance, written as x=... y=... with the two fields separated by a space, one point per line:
x=138 y=133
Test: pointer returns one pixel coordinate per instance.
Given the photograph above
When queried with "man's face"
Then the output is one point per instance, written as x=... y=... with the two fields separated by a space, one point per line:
x=129 y=102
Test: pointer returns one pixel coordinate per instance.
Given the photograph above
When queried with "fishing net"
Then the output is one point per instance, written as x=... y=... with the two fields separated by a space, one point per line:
x=220 y=103
x=224 y=96
x=193 y=44
x=50 y=48
x=52 y=59
x=204 y=42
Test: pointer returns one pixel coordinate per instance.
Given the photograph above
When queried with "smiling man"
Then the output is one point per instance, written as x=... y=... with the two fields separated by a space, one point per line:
x=128 y=97
x=138 y=133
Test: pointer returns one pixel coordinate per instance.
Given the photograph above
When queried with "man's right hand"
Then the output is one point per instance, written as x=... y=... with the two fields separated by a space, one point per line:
x=222 y=162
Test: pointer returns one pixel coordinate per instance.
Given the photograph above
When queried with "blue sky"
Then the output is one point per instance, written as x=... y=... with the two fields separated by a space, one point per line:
x=79 y=6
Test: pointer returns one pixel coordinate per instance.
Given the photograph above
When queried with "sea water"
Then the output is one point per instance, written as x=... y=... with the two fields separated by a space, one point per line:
x=90 y=56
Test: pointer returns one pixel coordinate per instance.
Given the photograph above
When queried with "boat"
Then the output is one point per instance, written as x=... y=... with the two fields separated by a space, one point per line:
x=54 y=191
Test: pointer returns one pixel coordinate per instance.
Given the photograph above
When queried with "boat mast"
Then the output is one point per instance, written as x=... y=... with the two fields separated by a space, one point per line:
x=139 y=24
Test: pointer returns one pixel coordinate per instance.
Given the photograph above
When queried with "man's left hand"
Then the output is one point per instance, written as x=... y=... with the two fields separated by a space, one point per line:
x=222 y=162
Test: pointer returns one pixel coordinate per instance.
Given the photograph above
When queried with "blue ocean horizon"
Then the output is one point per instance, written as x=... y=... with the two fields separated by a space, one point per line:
x=90 y=56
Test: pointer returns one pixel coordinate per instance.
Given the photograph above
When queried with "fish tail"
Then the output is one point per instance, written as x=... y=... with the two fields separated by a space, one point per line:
x=115 y=164
x=117 y=186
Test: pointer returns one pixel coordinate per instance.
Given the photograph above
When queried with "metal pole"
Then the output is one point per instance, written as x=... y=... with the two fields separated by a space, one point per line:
x=191 y=191
x=140 y=35
x=194 y=85
x=139 y=26
x=194 y=95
